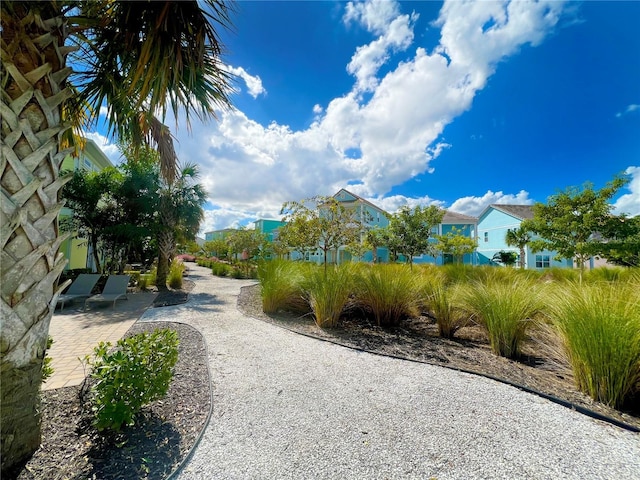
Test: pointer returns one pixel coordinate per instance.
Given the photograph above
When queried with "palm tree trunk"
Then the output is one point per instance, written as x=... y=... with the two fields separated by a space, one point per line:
x=165 y=243
x=34 y=89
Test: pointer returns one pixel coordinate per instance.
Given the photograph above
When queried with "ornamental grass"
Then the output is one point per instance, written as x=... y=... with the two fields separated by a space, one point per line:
x=600 y=328
x=505 y=309
x=328 y=293
x=388 y=293
x=281 y=286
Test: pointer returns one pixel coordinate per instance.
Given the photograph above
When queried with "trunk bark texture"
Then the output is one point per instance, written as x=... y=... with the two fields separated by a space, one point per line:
x=33 y=92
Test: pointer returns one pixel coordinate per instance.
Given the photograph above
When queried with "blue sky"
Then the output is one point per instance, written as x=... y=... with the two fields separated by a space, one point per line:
x=455 y=104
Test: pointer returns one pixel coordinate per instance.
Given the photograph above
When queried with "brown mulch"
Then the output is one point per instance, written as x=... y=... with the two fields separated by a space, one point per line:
x=540 y=368
x=168 y=429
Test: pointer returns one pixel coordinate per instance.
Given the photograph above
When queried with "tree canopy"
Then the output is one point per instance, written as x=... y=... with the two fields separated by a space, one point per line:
x=572 y=221
x=409 y=231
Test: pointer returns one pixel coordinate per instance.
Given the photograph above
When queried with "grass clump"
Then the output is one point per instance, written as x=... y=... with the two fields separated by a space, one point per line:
x=388 y=293
x=442 y=303
x=176 y=270
x=600 y=328
x=328 y=293
x=280 y=286
x=505 y=309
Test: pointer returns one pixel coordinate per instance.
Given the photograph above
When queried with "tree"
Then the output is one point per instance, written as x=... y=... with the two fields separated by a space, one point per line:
x=410 y=229
x=375 y=238
x=324 y=221
x=245 y=242
x=90 y=197
x=505 y=258
x=622 y=241
x=217 y=247
x=135 y=58
x=571 y=221
x=456 y=244
x=520 y=238
x=179 y=215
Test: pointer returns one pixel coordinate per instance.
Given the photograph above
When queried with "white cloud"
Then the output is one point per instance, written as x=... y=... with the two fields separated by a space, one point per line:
x=108 y=148
x=630 y=108
x=378 y=140
x=629 y=203
x=475 y=205
x=253 y=83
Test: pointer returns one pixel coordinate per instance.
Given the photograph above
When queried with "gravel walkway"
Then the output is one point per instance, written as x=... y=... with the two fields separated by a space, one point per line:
x=287 y=406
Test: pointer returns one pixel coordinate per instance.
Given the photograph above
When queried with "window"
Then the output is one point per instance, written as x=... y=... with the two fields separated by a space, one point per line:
x=543 y=261
x=87 y=164
x=486 y=236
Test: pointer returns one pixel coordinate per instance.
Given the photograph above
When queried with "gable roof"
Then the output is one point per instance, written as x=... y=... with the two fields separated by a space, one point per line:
x=357 y=198
x=521 y=212
x=455 y=217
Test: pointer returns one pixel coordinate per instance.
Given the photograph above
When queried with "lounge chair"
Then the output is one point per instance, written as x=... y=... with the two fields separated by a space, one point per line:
x=114 y=289
x=80 y=288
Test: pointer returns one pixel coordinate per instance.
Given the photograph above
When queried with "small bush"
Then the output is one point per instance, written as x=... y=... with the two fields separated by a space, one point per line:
x=135 y=373
x=220 y=269
x=186 y=257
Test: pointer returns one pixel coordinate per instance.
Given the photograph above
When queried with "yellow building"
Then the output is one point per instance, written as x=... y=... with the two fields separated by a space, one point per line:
x=92 y=159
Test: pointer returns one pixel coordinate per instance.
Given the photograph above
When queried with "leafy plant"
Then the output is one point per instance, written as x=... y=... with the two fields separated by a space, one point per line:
x=600 y=328
x=47 y=369
x=505 y=309
x=135 y=373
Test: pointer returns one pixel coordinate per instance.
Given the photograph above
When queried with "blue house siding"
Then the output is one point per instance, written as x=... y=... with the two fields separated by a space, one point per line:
x=493 y=225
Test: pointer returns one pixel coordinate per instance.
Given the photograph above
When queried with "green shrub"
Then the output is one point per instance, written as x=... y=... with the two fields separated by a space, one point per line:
x=220 y=269
x=280 y=286
x=176 y=270
x=388 y=292
x=135 y=373
x=600 y=328
x=505 y=309
x=328 y=292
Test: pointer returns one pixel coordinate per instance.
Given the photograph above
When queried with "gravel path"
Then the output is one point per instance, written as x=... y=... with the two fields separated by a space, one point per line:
x=287 y=406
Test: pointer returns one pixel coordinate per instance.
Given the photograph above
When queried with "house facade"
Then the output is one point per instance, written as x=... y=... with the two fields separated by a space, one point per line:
x=455 y=223
x=76 y=249
x=494 y=223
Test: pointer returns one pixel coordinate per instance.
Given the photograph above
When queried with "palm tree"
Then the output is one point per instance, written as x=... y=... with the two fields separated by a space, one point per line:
x=139 y=59
x=519 y=237
x=180 y=214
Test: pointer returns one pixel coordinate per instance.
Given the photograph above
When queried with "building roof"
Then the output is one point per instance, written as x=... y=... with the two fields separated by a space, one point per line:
x=522 y=212
x=358 y=199
x=454 y=217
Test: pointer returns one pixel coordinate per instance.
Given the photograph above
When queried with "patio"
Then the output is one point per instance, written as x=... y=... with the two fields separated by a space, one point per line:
x=76 y=332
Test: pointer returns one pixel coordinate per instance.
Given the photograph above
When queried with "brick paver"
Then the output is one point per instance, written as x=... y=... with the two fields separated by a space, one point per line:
x=76 y=332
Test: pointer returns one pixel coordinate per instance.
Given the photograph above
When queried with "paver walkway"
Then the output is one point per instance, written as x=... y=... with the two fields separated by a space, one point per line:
x=287 y=406
x=76 y=332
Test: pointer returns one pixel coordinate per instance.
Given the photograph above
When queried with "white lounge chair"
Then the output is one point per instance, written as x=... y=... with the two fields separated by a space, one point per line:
x=114 y=289
x=80 y=288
